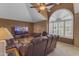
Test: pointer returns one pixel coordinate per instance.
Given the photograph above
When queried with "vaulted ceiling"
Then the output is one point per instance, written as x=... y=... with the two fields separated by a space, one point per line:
x=20 y=12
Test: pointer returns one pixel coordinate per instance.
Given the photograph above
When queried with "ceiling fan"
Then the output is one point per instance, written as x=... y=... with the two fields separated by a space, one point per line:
x=42 y=6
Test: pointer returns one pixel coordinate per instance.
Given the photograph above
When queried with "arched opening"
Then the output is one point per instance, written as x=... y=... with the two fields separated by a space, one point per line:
x=61 y=23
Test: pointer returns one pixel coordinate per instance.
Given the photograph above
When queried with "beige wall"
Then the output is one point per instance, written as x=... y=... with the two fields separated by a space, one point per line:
x=76 y=30
x=76 y=25
x=40 y=27
x=10 y=23
x=56 y=7
x=33 y=27
x=63 y=5
x=76 y=19
x=68 y=6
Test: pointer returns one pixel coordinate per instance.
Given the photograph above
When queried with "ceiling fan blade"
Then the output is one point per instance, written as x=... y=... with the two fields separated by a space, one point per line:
x=33 y=7
x=50 y=4
x=54 y=4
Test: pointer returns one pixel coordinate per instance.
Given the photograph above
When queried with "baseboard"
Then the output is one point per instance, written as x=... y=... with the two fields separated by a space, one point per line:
x=67 y=40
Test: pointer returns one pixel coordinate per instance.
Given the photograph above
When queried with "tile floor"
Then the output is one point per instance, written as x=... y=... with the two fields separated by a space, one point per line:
x=64 y=49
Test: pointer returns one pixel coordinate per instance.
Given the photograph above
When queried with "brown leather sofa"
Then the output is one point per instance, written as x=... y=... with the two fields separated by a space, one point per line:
x=35 y=48
x=39 y=46
x=51 y=43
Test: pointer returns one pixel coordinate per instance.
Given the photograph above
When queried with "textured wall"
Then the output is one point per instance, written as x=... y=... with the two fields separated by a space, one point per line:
x=76 y=30
x=68 y=6
x=76 y=25
x=10 y=23
x=40 y=27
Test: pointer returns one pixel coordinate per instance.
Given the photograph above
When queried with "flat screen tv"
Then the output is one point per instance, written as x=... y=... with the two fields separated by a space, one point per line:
x=20 y=30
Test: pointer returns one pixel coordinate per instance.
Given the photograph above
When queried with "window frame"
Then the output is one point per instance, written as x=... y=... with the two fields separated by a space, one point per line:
x=64 y=25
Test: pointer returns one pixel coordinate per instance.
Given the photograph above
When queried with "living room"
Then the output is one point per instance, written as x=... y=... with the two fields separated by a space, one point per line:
x=39 y=29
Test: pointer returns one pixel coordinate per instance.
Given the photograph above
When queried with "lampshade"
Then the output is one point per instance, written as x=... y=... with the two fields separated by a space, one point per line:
x=5 y=34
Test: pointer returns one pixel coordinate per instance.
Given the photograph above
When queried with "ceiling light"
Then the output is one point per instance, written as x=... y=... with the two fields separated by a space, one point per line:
x=42 y=7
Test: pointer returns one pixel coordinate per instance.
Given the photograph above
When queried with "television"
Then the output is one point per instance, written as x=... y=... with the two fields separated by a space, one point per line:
x=20 y=30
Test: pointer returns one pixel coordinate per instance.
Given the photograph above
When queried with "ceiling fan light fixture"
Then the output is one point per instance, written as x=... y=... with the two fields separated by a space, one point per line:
x=42 y=7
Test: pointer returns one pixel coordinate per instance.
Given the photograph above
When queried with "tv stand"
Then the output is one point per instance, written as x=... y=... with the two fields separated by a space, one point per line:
x=21 y=36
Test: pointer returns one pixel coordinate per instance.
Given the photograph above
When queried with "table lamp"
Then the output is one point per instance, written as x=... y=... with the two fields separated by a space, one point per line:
x=4 y=35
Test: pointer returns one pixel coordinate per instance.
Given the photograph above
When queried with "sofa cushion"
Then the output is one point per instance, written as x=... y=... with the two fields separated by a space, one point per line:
x=39 y=39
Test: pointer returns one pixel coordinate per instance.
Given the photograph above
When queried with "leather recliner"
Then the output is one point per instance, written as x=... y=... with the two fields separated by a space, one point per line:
x=39 y=45
x=36 y=47
x=54 y=42
x=51 y=44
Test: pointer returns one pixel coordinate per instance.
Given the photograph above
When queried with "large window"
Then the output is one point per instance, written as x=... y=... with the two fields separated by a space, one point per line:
x=61 y=23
